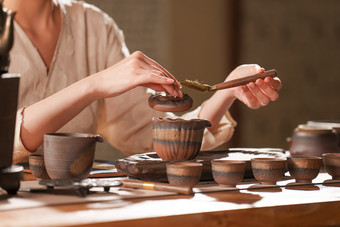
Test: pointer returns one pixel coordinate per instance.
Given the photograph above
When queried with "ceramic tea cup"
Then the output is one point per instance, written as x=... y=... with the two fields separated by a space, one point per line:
x=37 y=166
x=69 y=155
x=268 y=170
x=228 y=173
x=304 y=168
x=178 y=139
x=331 y=163
x=184 y=173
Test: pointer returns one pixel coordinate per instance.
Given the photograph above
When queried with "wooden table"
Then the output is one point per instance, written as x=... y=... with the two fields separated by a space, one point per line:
x=227 y=208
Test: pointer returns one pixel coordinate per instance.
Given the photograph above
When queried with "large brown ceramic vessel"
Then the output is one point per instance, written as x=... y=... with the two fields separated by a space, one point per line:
x=184 y=173
x=268 y=170
x=69 y=155
x=312 y=140
x=178 y=139
x=331 y=162
x=334 y=124
x=228 y=172
x=304 y=168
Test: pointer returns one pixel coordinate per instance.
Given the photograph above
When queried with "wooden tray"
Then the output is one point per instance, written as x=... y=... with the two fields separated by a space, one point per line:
x=149 y=167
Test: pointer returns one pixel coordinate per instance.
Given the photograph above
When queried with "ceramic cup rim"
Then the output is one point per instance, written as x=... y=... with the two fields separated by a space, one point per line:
x=304 y=157
x=268 y=159
x=230 y=162
x=333 y=155
x=184 y=164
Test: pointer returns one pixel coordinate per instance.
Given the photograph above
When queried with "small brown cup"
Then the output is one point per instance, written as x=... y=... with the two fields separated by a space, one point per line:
x=331 y=163
x=184 y=173
x=228 y=173
x=268 y=170
x=37 y=166
x=304 y=168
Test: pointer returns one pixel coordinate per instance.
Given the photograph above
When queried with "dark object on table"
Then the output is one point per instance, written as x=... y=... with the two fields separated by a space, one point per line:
x=69 y=155
x=7 y=37
x=168 y=103
x=178 y=139
x=9 y=85
x=79 y=187
x=150 y=167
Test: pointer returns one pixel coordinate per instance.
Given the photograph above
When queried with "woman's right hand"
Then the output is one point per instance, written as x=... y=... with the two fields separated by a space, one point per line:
x=135 y=70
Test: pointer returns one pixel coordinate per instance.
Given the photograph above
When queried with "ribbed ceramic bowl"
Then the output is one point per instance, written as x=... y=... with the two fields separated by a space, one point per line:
x=331 y=162
x=178 y=139
x=304 y=168
x=228 y=172
x=69 y=155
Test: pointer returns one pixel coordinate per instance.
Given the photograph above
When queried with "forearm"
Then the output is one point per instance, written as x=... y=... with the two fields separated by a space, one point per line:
x=50 y=114
x=216 y=107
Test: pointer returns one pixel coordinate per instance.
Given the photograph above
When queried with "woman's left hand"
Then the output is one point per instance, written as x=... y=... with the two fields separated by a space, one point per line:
x=258 y=93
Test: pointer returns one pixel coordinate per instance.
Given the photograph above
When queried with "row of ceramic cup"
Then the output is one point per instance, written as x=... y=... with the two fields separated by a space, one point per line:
x=266 y=170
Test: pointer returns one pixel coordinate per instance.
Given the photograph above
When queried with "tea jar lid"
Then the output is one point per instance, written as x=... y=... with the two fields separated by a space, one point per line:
x=313 y=128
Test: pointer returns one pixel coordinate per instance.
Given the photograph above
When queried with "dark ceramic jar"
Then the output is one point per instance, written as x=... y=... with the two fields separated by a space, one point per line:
x=313 y=141
x=334 y=124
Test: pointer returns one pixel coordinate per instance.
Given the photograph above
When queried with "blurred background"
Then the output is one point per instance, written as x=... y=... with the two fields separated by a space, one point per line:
x=206 y=40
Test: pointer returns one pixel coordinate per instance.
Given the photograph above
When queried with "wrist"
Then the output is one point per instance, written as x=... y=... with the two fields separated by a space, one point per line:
x=91 y=88
x=227 y=96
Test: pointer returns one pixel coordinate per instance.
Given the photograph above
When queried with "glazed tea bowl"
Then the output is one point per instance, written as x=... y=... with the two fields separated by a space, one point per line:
x=228 y=173
x=184 y=173
x=69 y=155
x=178 y=139
x=304 y=168
x=331 y=163
x=37 y=166
x=268 y=170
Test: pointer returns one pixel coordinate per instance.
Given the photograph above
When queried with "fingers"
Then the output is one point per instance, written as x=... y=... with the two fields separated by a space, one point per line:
x=157 y=81
x=275 y=83
x=157 y=70
x=266 y=90
x=249 y=98
x=262 y=98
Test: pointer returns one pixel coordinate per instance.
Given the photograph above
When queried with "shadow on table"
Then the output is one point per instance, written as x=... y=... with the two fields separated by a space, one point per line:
x=235 y=197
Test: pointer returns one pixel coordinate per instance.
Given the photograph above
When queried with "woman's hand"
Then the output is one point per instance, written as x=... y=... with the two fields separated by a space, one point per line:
x=135 y=70
x=255 y=94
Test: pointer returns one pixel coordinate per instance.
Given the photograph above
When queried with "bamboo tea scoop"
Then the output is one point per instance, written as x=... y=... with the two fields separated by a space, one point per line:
x=155 y=186
x=229 y=84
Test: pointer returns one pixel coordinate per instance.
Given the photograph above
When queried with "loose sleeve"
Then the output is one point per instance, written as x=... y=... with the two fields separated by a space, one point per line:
x=19 y=150
x=220 y=135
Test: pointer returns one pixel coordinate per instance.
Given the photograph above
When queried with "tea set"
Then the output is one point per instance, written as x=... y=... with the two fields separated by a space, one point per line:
x=312 y=145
